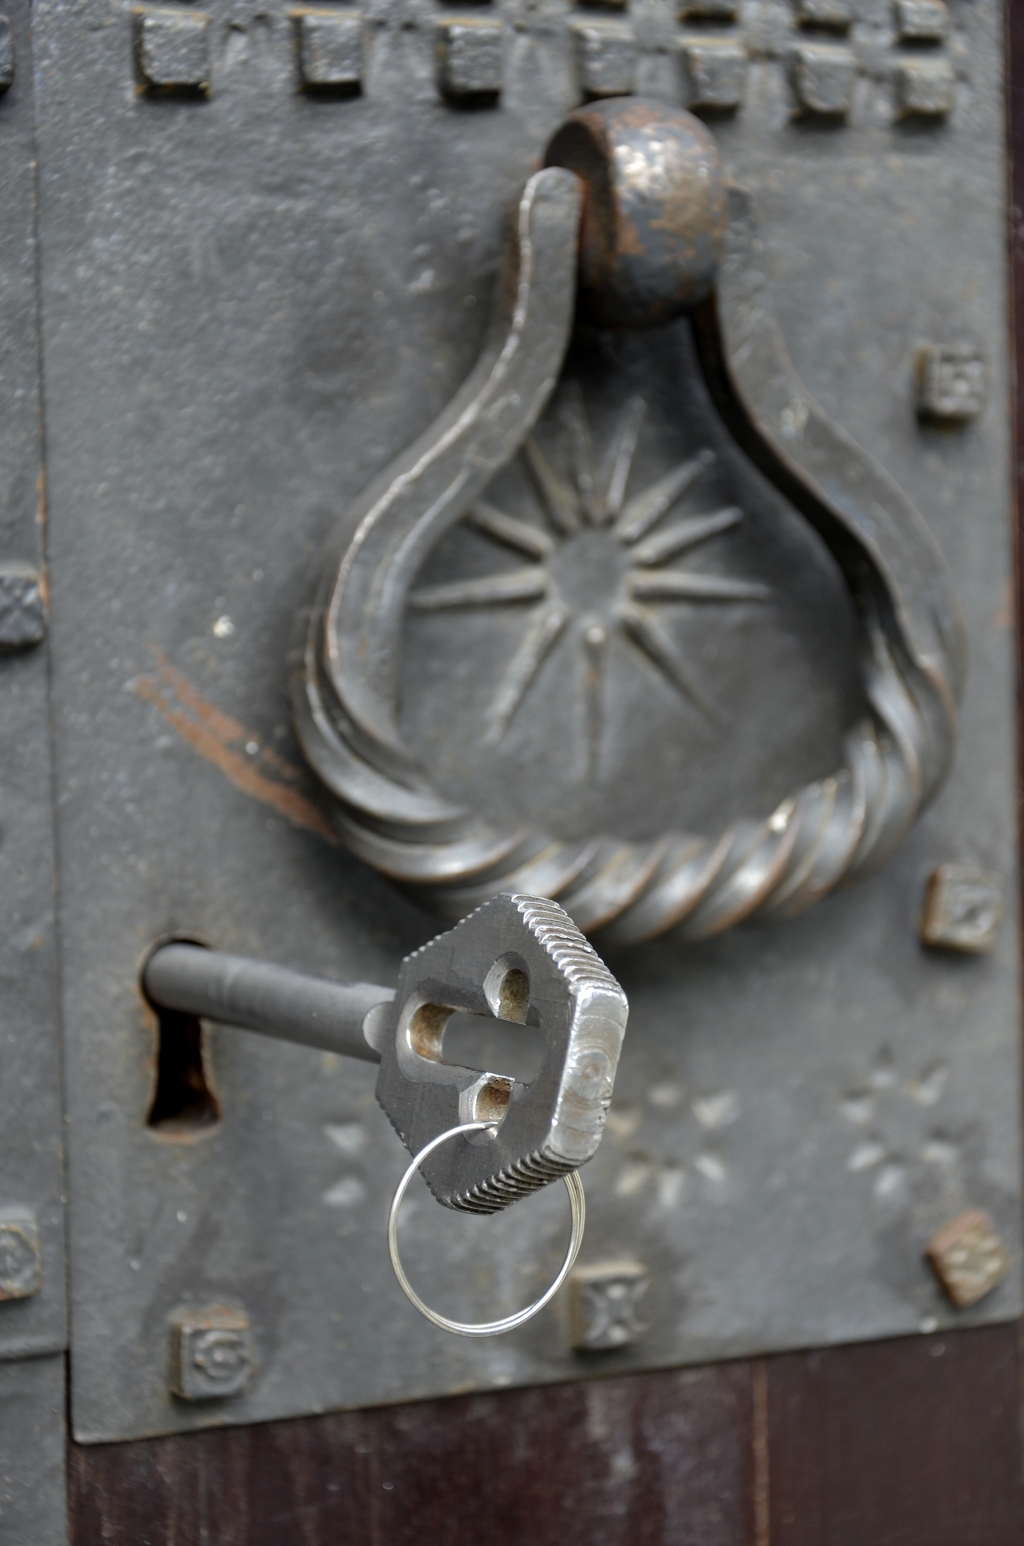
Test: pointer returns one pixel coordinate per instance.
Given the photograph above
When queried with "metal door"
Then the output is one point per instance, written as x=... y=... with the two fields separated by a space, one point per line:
x=678 y=651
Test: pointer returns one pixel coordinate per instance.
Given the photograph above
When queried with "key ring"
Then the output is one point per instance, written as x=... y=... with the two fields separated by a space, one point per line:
x=577 y=1202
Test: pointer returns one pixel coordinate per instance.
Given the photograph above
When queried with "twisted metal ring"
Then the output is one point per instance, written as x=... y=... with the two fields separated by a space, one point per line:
x=577 y=1203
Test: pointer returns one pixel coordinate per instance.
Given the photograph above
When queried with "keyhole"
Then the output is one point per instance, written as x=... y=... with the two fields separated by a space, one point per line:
x=183 y=1100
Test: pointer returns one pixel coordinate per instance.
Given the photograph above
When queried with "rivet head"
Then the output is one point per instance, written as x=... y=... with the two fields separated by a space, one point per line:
x=6 y=54
x=330 y=49
x=835 y=14
x=824 y=75
x=21 y=1262
x=922 y=21
x=22 y=609
x=173 y=49
x=211 y=1353
x=962 y=909
x=606 y=55
x=607 y=1305
x=716 y=72
x=709 y=10
x=952 y=382
x=968 y=1257
x=469 y=57
x=925 y=88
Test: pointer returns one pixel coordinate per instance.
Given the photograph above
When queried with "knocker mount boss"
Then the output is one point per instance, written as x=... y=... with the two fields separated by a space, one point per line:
x=651 y=596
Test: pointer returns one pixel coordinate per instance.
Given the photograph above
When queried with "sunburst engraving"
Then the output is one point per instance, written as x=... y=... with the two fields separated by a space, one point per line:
x=595 y=569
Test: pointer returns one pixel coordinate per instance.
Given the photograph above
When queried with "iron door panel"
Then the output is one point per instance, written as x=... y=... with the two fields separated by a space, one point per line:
x=258 y=287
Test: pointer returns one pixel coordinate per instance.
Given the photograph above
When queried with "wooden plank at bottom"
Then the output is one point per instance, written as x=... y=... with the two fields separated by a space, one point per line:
x=648 y=1460
x=907 y=1443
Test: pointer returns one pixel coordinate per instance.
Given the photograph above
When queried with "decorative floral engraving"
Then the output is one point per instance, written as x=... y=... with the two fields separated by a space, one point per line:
x=696 y=1135
x=897 y=1135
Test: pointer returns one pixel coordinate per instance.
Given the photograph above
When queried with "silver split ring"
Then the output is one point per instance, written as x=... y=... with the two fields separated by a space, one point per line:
x=577 y=1203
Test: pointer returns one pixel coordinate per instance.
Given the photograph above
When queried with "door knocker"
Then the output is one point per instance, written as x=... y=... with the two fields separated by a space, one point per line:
x=589 y=560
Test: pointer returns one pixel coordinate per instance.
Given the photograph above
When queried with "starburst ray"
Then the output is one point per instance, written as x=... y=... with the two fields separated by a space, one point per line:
x=574 y=414
x=540 y=636
x=516 y=585
x=560 y=502
x=623 y=451
x=594 y=635
x=675 y=585
x=510 y=531
x=643 y=628
x=686 y=534
x=645 y=509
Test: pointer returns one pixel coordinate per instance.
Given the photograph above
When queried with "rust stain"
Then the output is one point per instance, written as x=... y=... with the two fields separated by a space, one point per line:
x=264 y=776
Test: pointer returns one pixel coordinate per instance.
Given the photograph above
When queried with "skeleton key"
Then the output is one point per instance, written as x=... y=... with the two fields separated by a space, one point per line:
x=516 y=958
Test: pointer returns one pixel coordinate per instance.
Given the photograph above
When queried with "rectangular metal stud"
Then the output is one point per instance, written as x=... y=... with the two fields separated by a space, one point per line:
x=469 y=56
x=173 y=48
x=330 y=45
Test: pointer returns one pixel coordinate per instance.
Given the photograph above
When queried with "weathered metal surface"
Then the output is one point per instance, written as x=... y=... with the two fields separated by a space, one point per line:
x=33 y=1509
x=211 y=1353
x=253 y=299
x=32 y=1268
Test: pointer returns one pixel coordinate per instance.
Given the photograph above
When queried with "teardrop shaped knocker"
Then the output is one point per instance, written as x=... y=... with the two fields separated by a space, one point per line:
x=632 y=212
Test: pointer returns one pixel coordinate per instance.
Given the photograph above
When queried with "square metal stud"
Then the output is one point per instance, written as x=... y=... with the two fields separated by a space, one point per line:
x=211 y=1353
x=835 y=14
x=925 y=87
x=709 y=10
x=968 y=1257
x=469 y=56
x=922 y=21
x=824 y=76
x=22 y=611
x=173 y=49
x=330 y=48
x=607 y=1304
x=21 y=1262
x=606 y=58
x=716 y=72
x=952 y=382
x=962 y=909
x=6 y=54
